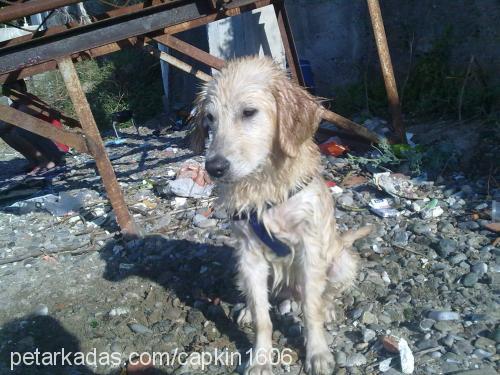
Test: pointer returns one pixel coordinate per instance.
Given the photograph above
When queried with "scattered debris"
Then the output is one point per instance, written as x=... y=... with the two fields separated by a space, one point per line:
x=382 y=208
x=333 y=147
x=396 y=184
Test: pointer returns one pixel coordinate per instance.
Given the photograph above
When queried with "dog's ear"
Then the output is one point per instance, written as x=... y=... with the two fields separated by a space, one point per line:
x=198 y=131
x=297 y=115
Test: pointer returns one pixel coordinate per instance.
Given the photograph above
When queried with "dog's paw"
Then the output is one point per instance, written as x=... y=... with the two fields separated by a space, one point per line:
x=321 y=363
x=258 y=369
x=244 y=317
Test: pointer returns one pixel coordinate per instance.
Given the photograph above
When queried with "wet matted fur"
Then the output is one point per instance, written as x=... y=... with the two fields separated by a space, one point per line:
x=262 y=126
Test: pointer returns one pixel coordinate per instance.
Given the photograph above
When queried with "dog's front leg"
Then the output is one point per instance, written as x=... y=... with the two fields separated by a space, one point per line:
x=253 y=275
x=319 y=360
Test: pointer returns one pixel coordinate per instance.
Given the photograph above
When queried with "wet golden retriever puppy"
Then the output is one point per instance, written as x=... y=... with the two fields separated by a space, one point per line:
x=263 y=157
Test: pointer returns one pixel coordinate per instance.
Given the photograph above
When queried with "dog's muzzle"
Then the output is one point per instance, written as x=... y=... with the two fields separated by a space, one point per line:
x=217 y=166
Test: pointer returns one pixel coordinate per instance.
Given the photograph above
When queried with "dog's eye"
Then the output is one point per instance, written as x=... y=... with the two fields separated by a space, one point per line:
x=210 y=117
x=249 y=112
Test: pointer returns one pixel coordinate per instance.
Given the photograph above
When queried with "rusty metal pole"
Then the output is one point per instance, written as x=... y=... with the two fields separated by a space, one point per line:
x=96 y=147
x=387 y=70
x=288 y=42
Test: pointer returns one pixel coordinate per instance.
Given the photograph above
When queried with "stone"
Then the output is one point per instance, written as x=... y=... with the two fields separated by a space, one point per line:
x=401 y=238
x=485 y=344
x=458 y=258
x=368 y=335
x=41 y=310
x=139 y=328
x=368 y=318
x=443 y=315
x=421 y=228
x=470 y=280
x=426 y=324
x=445 y=247
x=447 y=326
x=119 y=311
x=340 y=359
x=480 y=268
x=355 y=360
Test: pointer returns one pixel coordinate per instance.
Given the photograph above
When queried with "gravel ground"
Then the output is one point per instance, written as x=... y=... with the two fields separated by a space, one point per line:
x=72 y=282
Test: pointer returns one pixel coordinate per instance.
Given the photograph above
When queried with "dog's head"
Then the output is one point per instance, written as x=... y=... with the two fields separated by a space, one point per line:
x=253 y=113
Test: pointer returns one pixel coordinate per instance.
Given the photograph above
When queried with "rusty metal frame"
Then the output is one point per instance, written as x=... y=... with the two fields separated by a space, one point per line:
x=89 y=139
x=387 y=70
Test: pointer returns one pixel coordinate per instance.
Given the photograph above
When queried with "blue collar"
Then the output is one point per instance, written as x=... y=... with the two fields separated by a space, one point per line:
x=278 y=247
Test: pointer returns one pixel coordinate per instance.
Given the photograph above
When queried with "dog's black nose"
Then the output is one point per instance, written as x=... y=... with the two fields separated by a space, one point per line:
x=217 y=166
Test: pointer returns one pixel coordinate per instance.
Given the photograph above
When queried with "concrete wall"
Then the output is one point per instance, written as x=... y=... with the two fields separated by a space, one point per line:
x=253 y=33
x=336 y=36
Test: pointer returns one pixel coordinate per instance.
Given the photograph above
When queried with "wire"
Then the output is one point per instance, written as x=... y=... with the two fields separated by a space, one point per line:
x=45 y=20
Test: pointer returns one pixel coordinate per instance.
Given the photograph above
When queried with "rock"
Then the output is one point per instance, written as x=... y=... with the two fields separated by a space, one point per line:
x=368 y=335
x=448 y=326
x=480 y=268
x=195 y=317
x=470 y=280
x=421 y=228
x=456 y=259
x=462 y=347
x=390 y=343
x=480 y=353
x=119 y=311
x=426 y=324
x=485 y=344
x=406 y=357
x=341 y=359
x=41 y=310
x=202 y=222
x=355 y=360
x=345 y=200
x=401 y=238
x=368 y=318
x=139 y=328
x=445 y=247
x=221 y=214
x=496 y=335
x=443 y=315
x=385 y=365
x=432 y=213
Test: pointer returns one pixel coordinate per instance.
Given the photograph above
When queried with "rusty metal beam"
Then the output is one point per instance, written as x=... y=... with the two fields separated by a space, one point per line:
x=23 y=9
x=387 y=70
x=110 y=30
x=37 y=105
x=96 y=147
x=179 y=64
x=288 y=43
x=37 y=68
x=349 y=125
x=190 y=50
x=35 y=125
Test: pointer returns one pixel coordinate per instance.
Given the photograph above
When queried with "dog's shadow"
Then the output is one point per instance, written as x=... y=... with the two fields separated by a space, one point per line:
x=196 y=273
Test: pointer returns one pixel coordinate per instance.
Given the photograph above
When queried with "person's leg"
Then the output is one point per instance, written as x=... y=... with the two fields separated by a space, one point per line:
x=48 y=150
x=23 y=146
